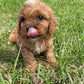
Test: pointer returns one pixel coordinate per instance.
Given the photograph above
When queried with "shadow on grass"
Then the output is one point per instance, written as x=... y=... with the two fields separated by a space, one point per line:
x=8 y=56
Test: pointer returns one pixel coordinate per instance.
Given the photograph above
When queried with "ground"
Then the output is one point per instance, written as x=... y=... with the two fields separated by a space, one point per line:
x=68 y=45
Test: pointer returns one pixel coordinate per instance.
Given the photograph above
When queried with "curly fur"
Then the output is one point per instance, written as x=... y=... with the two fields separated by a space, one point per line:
x=45 y=28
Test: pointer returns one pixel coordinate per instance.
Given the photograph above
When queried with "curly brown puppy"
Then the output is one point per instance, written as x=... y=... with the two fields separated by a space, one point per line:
x=34 y=31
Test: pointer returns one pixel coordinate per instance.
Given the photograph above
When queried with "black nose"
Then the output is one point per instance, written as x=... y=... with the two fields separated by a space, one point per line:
x=28 y=28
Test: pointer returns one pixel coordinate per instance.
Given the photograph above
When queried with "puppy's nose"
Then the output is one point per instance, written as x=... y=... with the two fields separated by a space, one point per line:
x=31 y=31
x=29 y=27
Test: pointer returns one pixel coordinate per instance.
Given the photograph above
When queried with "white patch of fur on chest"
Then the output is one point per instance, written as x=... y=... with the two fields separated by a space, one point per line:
x=37 y=48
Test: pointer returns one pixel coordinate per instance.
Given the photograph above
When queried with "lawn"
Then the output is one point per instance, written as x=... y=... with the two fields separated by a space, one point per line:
x=68 y=45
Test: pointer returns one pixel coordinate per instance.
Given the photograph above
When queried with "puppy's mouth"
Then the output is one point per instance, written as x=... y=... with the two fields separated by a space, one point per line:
x=32 y=32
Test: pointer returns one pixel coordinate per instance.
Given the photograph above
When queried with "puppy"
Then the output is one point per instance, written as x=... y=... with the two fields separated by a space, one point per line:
x=33 y=33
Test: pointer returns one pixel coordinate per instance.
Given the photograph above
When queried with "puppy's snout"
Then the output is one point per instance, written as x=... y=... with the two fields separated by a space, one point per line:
x=31 y=31
x=28 y=28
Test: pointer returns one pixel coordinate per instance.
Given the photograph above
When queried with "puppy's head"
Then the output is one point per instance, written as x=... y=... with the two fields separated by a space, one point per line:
x=36 y=20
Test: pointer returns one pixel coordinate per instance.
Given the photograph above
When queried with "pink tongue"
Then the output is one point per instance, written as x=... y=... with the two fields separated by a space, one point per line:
x=32 y=32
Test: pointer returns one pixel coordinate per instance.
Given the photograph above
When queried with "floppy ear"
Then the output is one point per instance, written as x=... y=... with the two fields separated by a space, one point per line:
x=21 y=16
x=20 y=20
x=19 y=24
x=52 y=26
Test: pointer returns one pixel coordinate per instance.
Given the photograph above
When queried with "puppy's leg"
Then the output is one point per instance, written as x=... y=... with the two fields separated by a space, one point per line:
x=51 y=58
x=13 y=36
x=30 y=62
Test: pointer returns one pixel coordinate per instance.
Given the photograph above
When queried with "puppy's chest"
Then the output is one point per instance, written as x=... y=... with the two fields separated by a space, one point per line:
x=39 y=47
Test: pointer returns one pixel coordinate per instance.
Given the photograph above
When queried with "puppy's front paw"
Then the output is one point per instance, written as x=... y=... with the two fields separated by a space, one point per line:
x=54 y=64
x=31 y=68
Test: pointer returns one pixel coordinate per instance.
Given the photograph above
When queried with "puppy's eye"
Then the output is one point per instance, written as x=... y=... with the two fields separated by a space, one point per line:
x=23 y=19
x=40 y=18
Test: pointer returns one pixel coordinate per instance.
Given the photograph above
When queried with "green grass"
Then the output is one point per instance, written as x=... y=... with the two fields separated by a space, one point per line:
x=68 y=45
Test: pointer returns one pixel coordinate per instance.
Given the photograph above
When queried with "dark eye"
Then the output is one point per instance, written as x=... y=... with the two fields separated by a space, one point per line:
x=23 y=19
x=40 y=18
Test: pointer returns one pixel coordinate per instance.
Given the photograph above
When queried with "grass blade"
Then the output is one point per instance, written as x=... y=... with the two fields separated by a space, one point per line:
x=2 y=79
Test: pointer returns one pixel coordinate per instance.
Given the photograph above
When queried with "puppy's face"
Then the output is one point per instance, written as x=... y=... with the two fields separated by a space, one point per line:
x=36 y=20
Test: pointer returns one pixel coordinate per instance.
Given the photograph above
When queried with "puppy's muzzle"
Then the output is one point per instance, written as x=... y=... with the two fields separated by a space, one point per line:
x=32 y=32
